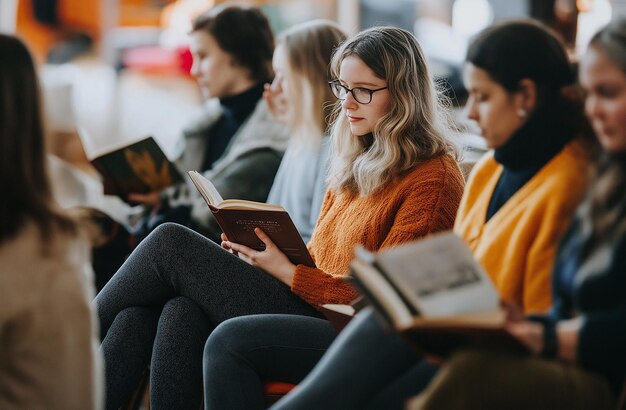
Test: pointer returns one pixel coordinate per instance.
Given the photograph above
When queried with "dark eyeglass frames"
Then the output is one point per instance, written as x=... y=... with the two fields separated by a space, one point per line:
x=361 y=95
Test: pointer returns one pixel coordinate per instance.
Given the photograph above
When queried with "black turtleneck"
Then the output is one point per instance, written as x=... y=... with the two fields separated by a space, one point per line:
x=538 y=140
x=236 y=109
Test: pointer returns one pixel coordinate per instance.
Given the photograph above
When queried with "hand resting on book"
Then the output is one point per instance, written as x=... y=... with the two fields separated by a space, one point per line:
x=528 y=332
x=272 y=260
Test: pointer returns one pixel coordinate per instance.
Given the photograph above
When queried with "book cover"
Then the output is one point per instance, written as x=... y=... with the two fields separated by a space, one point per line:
x=140 y=167
x=338 y=315
x=238 y=218
x=435 y=294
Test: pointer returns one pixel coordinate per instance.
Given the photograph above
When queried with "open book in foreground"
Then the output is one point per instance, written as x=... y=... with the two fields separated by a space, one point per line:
x=237 y=218
x=434 y=293
x=138 y=167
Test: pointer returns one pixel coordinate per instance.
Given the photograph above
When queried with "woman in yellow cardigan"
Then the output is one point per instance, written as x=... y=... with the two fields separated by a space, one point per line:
x=517 y=204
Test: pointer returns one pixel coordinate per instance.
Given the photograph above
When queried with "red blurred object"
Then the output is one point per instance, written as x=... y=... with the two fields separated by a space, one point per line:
x=158 y=59
x=273 y=391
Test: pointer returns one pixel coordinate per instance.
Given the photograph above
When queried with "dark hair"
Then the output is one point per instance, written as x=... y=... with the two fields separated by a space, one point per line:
x=512 y=51
x=244 y=33
x=526 y=49
x=26 y=194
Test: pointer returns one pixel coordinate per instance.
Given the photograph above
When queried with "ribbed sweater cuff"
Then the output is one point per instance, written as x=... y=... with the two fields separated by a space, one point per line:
x=306 y=284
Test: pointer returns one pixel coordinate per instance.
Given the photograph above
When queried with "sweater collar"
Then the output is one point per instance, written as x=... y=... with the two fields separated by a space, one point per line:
x=539 y=139
x=242 y=104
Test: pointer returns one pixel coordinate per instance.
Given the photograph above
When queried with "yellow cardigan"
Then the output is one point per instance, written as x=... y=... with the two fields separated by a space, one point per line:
x=517 y=246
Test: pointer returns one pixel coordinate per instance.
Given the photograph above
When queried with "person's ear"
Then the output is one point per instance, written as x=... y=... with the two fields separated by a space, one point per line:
x=526 y=96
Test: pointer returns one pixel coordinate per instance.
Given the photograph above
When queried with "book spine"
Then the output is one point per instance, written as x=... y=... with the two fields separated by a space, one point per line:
x=222 y=223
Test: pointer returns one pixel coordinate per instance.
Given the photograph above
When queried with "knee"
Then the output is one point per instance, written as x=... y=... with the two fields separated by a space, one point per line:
x=137 y=321
x=465 y=367
x=133 y=316
x=468 y=359
x=167 y=230
x=181 y=307
x=229 y=337
x=181 y=315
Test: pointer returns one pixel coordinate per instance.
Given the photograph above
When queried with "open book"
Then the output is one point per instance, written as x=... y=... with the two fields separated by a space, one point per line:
x=435 y=293
x=139 y=167
x=238 y=218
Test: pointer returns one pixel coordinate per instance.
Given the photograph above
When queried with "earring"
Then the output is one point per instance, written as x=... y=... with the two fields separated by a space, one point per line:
x=522 y=113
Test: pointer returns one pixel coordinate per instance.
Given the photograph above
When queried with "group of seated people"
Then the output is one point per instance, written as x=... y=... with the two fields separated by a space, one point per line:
x=352 y=136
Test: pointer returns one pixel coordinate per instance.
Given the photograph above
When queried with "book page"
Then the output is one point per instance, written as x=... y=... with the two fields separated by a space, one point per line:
x=381 y=293
x=206 y=188
x=440 y=277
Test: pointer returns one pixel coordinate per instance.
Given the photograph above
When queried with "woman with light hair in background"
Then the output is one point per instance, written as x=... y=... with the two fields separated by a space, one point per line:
x=47 y=329
x=578 y=358
x=300 y=97
x=394 y=179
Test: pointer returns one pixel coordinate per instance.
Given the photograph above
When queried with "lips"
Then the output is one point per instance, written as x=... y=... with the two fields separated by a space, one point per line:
x=354 y=119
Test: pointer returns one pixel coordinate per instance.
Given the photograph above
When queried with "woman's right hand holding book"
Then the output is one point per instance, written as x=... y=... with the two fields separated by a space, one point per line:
x=271 y=260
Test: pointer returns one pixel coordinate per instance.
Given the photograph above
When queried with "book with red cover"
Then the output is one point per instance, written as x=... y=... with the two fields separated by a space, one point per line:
x=237 y=218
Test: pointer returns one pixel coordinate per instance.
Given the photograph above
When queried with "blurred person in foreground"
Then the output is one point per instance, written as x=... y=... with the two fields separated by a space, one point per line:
x=48 y=336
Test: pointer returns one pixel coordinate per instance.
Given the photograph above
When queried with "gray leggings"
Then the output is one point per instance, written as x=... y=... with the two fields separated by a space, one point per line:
x=366 y=367
x=162 y=304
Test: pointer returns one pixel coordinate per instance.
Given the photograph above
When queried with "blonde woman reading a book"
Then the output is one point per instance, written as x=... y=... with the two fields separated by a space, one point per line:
x=300 y=97
x=382 y=60
x=48 y=334
x=517 y=204
x=578 y=359
x=393 y=179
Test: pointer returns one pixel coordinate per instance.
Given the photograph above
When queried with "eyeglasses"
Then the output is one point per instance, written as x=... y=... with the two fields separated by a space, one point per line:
x=361 y=95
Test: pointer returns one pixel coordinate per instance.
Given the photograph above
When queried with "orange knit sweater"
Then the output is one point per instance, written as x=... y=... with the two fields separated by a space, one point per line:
x=422 y=201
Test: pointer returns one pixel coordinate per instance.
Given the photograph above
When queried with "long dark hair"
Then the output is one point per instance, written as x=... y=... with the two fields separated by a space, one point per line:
x=26 y=194
x=608 y=196
x=243 y=32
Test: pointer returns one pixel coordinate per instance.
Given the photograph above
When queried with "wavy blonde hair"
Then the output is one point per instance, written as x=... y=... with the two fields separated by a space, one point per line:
x=414 y=130
x=309 y=48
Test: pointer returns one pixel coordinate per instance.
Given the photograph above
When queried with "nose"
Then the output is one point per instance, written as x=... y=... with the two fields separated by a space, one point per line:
x=194 y=68
x=592 y=107
x=277 y=84
x=349 y=103
x=470 y=109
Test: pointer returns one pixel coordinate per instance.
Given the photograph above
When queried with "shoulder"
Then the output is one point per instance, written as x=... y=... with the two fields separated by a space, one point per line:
x=29 y=247
x=485 y=168
x=443 y=169
x=261 y=117
x=257 y=157
x=569 y=172
x=206 y=116
x=31 y=266
x=261 y=129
